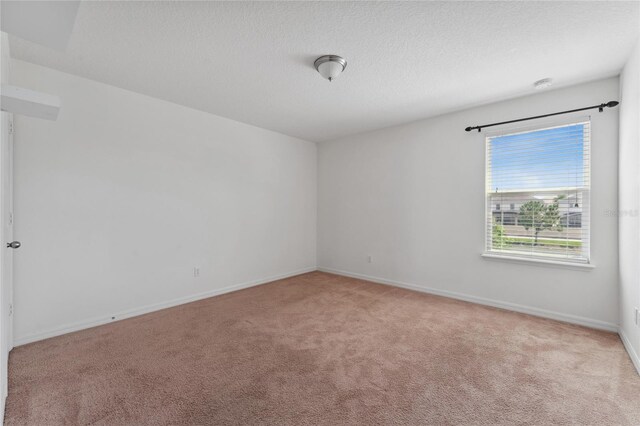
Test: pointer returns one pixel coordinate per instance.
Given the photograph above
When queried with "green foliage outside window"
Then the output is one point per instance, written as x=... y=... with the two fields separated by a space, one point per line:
x=539 y=216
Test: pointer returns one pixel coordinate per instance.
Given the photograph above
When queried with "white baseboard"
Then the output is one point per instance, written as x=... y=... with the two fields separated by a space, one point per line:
x=635 y=359
x=81 y=325
x=4 y=402
x=573 y=319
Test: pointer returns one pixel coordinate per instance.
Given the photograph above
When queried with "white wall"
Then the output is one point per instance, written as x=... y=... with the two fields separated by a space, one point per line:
x=5 y=284
x=118 y=200
x=412 y=197
x=629 y=203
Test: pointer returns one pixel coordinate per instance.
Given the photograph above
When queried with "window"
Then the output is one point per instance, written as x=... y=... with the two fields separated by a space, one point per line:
x=543 y=175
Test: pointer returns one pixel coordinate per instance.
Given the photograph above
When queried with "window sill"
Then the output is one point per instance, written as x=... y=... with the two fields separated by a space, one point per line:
x=540 y=262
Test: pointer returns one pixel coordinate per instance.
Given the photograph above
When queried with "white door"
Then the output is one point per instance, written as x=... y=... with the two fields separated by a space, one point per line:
x=6 y=258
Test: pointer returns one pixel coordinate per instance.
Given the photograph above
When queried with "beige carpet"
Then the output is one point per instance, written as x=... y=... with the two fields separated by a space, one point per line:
x=324 y=349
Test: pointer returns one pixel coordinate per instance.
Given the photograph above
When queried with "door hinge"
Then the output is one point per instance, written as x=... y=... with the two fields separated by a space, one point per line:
x=10 y=218
x=10 y=309
x=11 y=127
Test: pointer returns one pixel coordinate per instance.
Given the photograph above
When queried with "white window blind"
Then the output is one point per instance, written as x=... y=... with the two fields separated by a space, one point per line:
x=537 y=193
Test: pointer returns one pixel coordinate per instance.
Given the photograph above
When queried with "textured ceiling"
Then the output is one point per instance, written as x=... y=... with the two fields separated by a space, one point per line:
x=253 y=62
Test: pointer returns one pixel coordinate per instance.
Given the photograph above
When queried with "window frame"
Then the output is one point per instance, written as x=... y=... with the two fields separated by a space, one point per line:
x=541 y=259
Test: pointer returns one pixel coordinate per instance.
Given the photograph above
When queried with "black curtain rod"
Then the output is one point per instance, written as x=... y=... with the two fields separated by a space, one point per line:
x=600 y=107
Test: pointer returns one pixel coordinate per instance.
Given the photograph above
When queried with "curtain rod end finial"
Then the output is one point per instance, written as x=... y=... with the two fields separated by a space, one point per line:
x=468 y=129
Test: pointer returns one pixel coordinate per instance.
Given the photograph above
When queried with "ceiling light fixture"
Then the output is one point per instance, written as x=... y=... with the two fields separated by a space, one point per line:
x=543 y=84
x=330 y=66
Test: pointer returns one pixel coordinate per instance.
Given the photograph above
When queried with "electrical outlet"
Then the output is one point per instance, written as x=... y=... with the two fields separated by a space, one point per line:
x=369 y=259
x=196 y=272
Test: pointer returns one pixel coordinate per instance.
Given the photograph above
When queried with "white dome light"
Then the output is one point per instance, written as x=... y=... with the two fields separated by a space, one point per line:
x=330 y=66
